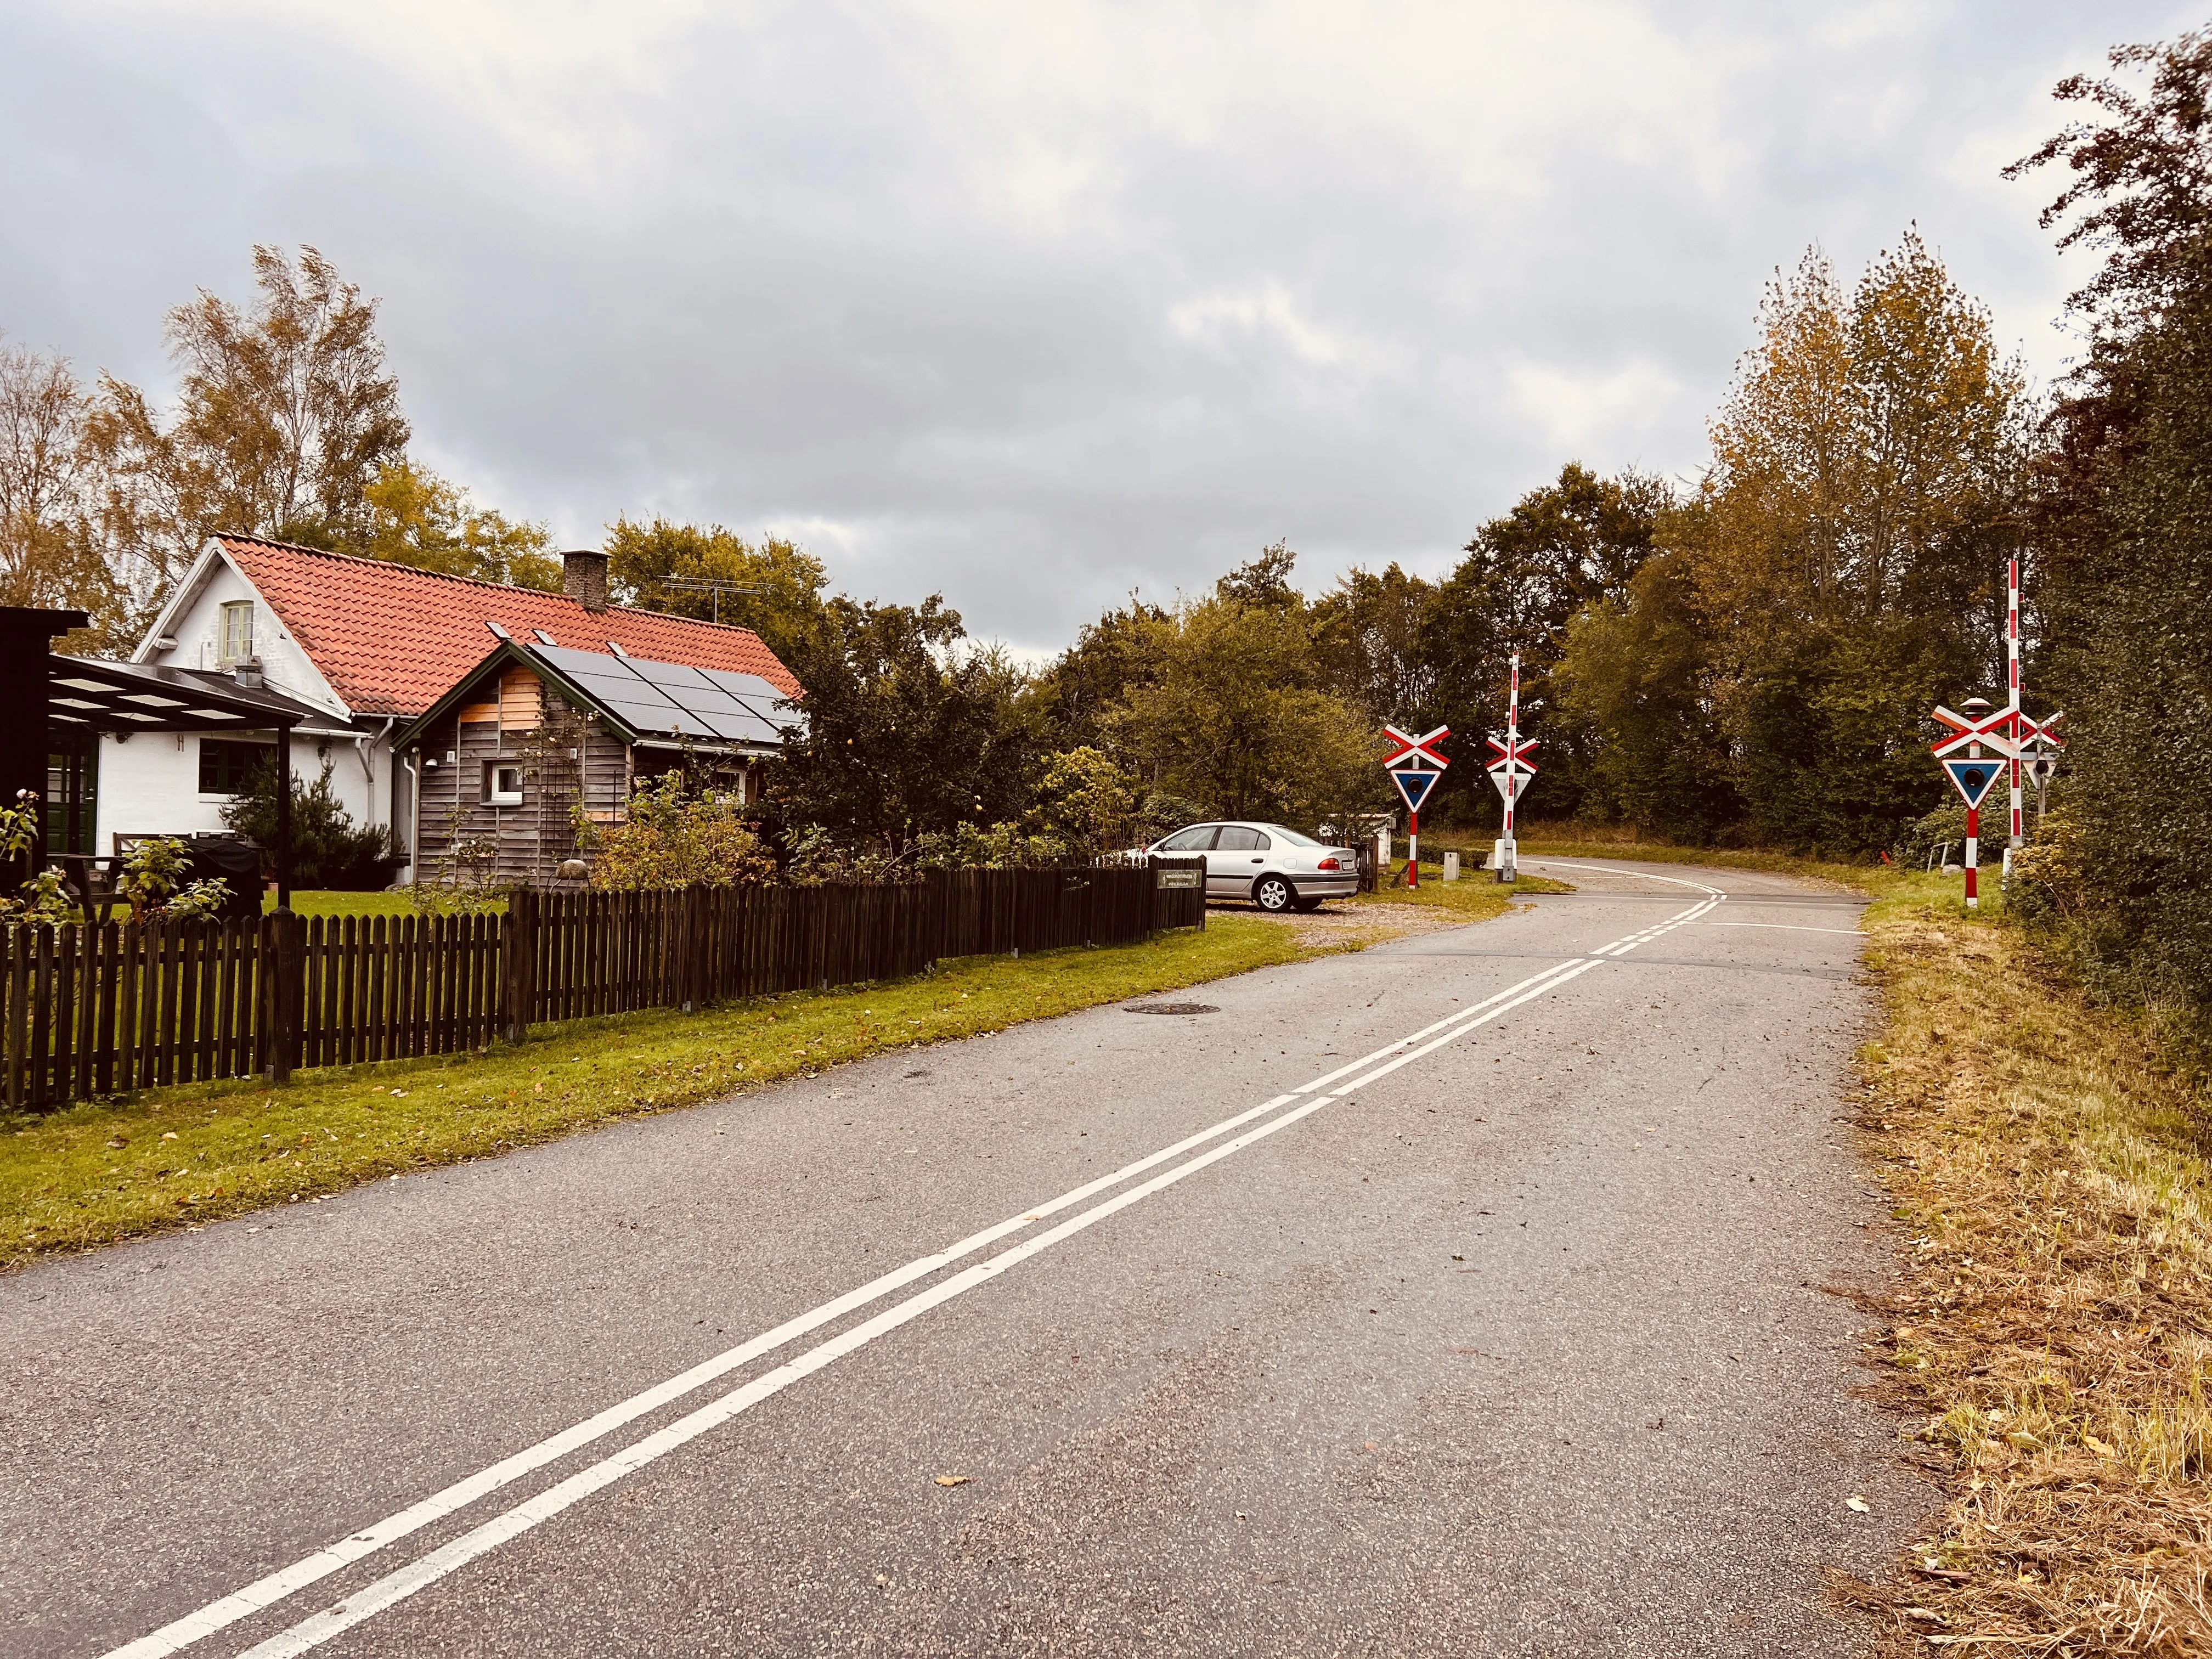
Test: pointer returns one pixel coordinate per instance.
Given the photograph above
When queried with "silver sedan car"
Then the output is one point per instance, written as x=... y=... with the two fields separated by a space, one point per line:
x=1277 y=868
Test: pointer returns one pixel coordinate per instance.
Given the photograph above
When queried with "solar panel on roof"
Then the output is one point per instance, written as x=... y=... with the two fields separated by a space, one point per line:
x=674 y=700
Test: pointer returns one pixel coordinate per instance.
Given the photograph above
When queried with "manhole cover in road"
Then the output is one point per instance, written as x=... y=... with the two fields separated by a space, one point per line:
x=1170 y=1008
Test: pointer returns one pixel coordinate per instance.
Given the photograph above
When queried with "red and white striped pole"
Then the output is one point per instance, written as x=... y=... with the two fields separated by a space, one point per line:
x=1510 y=864
x=1975 y=707
x=2015 y=840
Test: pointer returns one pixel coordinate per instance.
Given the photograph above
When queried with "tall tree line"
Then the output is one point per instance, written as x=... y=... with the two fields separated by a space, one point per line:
x=2120 y=512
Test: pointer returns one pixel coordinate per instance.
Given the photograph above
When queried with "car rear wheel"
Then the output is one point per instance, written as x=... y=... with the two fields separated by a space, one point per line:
x=1273 y=893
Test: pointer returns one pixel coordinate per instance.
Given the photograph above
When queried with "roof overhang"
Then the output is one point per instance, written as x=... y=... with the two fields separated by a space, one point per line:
x=122 y=697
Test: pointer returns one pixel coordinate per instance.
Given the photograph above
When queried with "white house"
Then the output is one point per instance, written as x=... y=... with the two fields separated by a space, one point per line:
x=373 y=646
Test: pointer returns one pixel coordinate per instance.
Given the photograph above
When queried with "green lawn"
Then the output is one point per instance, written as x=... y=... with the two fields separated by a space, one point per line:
x=327 y=903
x=178 y=1157
x=1478 y=893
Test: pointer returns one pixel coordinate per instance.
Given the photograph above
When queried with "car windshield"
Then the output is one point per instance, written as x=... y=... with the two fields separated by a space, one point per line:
x=1292 y=836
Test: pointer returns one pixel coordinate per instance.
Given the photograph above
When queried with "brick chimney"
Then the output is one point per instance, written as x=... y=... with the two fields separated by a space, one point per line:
x=584 y=579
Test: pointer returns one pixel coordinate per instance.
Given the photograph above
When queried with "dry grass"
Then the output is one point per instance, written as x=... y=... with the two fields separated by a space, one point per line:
x=2051 y=1329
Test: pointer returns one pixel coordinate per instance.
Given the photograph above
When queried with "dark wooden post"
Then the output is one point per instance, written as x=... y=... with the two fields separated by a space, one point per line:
x=517 y=962
x=26 y=685
x=284 y=818
x=281 y=1005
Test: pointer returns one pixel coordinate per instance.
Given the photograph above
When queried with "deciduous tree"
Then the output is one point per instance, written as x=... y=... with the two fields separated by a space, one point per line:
x=413 y=517
x=285 y=416
x=772 y=588
x=49 y=557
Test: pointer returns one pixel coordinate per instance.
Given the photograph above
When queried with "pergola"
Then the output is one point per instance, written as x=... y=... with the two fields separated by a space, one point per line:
x=56 y=695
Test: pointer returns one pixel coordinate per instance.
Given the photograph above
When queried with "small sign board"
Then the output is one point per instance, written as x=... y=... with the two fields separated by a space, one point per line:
x=1414 y=784
x=1178 y=878
x=1974 y=778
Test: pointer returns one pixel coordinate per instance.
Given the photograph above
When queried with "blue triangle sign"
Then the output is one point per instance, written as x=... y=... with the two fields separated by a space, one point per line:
x=1413 y=786
x=1974 y=778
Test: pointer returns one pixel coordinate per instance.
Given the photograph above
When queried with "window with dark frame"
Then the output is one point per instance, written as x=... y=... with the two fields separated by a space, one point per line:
x=225 y=762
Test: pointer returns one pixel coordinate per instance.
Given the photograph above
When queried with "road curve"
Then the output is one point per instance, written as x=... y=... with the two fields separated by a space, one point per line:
x=1460 y=1297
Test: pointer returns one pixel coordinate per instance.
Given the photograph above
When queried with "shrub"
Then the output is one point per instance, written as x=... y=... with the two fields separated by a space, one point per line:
x=675 y=837
x=329 y=849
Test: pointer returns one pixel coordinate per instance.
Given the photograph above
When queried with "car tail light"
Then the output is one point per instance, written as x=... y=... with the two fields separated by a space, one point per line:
x=1329 y=864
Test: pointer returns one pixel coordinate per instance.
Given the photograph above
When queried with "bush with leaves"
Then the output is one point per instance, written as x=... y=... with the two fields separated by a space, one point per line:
x=45 y=896
x=674 y=836
x=152 y=881
x=1163 y=814
x=1086 y=804
x=1000 y=846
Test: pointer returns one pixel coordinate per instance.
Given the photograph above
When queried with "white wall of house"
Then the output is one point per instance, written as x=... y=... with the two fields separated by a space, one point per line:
x=149 y=783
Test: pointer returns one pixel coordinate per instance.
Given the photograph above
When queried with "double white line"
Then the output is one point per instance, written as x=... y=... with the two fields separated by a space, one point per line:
x=396 y=1586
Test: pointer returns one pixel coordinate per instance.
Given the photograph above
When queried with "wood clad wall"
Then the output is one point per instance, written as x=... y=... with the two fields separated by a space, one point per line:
x=503 y=718
x=521 y=699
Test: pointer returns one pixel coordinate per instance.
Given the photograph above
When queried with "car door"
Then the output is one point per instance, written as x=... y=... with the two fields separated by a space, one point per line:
x=1184 y=842
x=1238 y=855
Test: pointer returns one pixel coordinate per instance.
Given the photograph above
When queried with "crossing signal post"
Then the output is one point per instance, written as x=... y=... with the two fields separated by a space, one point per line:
x=2030 y=758
x=1414 y=765
x=1510 y=771
x=2016 y=742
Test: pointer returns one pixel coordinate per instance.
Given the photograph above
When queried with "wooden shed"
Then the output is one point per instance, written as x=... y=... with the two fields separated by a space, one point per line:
x=535 y=732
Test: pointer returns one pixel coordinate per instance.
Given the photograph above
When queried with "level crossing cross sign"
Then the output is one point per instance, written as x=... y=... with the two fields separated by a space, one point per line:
x=1416 y=752
x=1992 y=730
x=1414 y=764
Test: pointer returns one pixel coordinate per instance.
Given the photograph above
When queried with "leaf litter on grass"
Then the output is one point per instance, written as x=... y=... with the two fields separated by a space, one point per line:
x=2051 y=1333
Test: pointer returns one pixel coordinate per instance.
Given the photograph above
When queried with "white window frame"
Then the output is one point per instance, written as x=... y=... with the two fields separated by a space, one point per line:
x=495 y=796
x=234 y=611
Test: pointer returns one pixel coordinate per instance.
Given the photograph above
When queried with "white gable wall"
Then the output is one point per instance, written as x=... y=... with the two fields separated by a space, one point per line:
x=149 y=783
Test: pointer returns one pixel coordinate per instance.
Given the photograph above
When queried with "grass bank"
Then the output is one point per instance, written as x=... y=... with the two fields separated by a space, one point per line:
x=1871 y=879
x=177 y=1158
x=2051 y=1332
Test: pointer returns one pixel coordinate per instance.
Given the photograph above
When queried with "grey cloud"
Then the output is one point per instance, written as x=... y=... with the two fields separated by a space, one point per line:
x=1030 y=306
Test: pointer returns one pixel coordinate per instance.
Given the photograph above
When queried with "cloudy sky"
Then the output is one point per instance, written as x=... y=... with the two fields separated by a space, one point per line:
x=1032 y=303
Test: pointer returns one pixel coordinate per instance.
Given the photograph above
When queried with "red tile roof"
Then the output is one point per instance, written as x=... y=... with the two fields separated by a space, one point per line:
x=393 y=640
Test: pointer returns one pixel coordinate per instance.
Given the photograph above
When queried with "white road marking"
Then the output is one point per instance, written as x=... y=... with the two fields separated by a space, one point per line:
x=396 y=1586
x=1640 y=875
x=1787 y=927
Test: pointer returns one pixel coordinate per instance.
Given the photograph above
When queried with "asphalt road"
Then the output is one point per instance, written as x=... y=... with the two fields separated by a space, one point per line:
x=1511 y=1341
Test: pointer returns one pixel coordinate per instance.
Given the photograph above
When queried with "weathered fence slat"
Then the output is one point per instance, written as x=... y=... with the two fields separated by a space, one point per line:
x=101 y=1008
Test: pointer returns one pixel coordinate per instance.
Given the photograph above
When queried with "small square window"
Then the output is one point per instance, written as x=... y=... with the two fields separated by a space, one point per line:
x=503 y=783
x=226 y=766
x=238 y=631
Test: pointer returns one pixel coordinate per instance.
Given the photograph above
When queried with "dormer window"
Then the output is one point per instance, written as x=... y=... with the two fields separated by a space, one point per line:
x=237 y=631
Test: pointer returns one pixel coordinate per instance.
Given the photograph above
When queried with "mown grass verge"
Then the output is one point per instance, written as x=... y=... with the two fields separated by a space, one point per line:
x=178 y=1158
x=2051 y=1332
x=1477 y=896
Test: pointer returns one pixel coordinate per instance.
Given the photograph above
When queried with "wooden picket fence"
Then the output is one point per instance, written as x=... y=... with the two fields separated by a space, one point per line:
x=103 y=1010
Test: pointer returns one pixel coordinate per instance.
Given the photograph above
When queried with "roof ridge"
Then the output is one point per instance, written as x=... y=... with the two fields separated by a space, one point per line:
x=472 y=581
